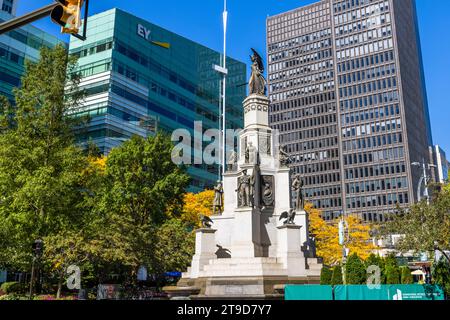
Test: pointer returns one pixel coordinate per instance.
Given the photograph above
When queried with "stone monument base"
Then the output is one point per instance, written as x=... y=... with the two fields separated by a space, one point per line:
x=237 y=288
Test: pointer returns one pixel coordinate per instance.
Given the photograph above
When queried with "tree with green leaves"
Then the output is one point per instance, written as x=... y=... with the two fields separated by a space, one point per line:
x=441 y=275
x=424 y=227
x=355 y=271
x=406 y=276
x=40 y=166
x=325 y=275
x=141 y=185
x=392 y=274
x=173 y=246
x=336 y=278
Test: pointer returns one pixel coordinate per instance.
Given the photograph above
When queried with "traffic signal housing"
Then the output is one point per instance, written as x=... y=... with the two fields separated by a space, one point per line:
x=68 y=15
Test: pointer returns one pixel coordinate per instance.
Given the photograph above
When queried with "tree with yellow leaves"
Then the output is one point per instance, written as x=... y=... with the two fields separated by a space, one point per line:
x=326 y=235
x=196 y=204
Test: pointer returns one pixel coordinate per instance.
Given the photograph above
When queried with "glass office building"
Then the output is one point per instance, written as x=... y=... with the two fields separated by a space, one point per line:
x=9 y=6
x=348 y=95
x=17 y=46
x=140 y=78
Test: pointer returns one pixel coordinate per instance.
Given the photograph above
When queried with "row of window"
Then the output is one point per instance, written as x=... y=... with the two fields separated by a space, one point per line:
x=364 y=75
x=372 y=142
x=319 y=167
x=307 y=69
x=372 y=128
x=376 y=185
x=320 y=55
x=368 y=87
x=299 y=40
x=301 y=81
x=304 y=112
x=316 y=156
x=374 y=15
x=375 y=171
x=311 y=144
x=349 y=4
x=380 y=200
x=366 y=49
x=365 y=62
x=300 y=50
x=392 y=154
x=304 y=101
x=364 y=37
x=327 y=203
x=368 y=115
x=322 y=191
x=369 y=101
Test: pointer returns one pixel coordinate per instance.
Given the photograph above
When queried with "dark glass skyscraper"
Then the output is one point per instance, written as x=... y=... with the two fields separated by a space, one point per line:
x=348 y=95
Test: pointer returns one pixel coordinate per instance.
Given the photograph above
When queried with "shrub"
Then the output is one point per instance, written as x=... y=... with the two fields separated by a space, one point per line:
x=325 y=276
x=11 y=287
x=406 y=276
x=441 y=275
x=336 y=278
x=355 y=270
x=392 y=274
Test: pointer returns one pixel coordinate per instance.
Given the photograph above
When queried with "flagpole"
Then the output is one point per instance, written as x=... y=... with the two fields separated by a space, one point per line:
x=224 y=83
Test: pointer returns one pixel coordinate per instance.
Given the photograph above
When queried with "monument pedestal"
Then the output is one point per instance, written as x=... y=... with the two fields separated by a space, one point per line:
x=289 y=251
x=205 y=250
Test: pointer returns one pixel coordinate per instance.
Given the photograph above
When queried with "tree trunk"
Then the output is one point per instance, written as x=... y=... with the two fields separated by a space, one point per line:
x=60 y=282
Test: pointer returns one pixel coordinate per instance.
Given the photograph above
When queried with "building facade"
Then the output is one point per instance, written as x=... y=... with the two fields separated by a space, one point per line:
x=440 y=160
x=140 y=78
x=9 y=6
x=17 y=46
x=348 y=95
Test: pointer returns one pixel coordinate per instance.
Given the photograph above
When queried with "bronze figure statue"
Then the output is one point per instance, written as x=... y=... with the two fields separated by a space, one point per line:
x=244 y=190
x=284 y=157
x=218 y=198
x=257 y=84
x=297 y=186
x=206 y=222
x=289 y=216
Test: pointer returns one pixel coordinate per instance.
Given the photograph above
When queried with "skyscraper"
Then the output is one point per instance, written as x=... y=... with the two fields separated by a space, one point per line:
x=9 y=6
x=348 y=95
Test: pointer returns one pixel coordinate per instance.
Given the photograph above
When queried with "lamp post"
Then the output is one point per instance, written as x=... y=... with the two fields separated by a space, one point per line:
x=425 y=179
x=38 y=248
x=223 y=71
x=343 y=240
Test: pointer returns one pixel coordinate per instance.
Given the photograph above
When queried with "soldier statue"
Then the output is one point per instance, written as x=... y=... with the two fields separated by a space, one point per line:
x=218 y=199
x=284 y=157
x=297 y=186
x=244 y=190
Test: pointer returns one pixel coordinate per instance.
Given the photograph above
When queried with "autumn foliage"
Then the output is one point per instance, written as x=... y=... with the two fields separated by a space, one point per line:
x=326 y=235
x=196 y=204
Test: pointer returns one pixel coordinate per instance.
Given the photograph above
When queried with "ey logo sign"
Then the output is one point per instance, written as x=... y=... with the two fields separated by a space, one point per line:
x=145 y=33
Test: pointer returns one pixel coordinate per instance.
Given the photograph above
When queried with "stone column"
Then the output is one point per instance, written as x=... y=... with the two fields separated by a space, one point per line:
x=205 y=250
x=289 y=250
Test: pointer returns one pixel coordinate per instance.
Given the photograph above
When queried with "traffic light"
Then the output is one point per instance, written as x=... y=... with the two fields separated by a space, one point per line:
x=68 y=15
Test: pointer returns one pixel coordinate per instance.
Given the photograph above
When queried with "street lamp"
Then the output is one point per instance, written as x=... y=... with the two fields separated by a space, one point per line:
x=425 y=179
x=38 y=250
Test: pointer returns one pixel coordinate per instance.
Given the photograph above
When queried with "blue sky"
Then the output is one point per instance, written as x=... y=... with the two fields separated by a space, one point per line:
x=200 y=20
